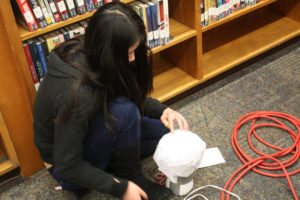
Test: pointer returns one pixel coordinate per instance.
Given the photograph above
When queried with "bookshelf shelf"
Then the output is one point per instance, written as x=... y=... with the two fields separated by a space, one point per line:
x=6 y=166
x=238 y=14
x=180 y=32
x=170 y=80
x=261 y=35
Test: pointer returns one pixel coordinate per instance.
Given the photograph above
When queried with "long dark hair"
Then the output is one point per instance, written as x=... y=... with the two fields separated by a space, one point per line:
x=111 y=31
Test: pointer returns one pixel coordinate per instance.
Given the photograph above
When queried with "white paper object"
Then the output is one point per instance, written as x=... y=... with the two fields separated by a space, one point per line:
x=179 y=154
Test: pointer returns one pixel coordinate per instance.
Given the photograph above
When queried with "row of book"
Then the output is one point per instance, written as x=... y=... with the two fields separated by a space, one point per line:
x=42 y=13
x=215 y=10
x=155 y=14
x=38 y=49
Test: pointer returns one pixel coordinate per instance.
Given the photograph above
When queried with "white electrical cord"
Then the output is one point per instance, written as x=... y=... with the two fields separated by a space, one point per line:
x=213 y=186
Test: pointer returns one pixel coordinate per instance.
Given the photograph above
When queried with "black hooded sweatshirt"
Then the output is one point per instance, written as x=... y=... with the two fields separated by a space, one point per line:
x=61 y=145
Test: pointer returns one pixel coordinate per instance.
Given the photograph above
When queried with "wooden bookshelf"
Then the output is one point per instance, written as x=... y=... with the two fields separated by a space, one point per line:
x=252 y=38
x=193 y=56
x=238 y=14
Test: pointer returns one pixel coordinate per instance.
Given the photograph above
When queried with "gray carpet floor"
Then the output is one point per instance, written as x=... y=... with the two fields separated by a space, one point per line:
x=269 y=84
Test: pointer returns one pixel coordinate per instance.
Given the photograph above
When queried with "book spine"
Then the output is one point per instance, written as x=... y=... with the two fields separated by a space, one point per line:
x=62 y=9
x=41 y=55
x=38 y=13
x=166 y=19
x=90 y=5
x=30 y=63
x=36 y=61
x=80 y=6
x=45 y=48
x=71 y=8
x=54 y=10
x=28 y=15
x=49 y=11
x=97 y=4
x=45 y=12
x=155 y=24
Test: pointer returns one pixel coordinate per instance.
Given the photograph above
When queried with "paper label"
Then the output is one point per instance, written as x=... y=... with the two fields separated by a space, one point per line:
x=38 y=12
x=45 y=12
x=80 y=2
x=28 y=16
x=70 y=4
x=61 y=6
x=53 y=7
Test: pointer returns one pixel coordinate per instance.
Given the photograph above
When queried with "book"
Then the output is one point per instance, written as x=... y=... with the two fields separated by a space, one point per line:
x=98 y=3
x=80 y=6
x=54 y=10
x=48 y=38
x=154 y=20
x=41 y=54
x=30 y=64
x=46 y=3
x=150 y=37
x=37 y=11
x=36 y=60
x=45 y=11
x=90 y=5
x=62 y=9
x=142 y=6
x=166 y=20
x=160 y=21
x=27 y=15
x=45 y=48
x=71 y=8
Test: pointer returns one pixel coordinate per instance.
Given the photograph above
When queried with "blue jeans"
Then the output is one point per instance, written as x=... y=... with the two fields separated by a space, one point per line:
x=131 y=127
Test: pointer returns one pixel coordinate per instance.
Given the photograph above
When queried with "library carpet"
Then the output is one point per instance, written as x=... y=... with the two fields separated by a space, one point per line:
x=271 y=83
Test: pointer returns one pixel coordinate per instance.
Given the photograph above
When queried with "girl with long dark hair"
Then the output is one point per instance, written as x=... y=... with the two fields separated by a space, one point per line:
x=93 y=119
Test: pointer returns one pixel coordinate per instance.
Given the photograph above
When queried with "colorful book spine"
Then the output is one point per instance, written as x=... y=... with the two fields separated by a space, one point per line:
x=49 y=11
x=154 y=21
x=45 y=12
x=150 y=37
x=30 y=63
x=36 y=60
x=71 y=8
x=62 y=9
x=28 y=15
x=90 y=5
x=80 y=6
x=41 y=55
x=54 y=10
x=38 y=13
x=98 y=3
x=166 y=19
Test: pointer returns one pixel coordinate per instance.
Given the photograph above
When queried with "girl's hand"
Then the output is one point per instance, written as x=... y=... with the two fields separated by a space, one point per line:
x=134 y=192
x=169 y=116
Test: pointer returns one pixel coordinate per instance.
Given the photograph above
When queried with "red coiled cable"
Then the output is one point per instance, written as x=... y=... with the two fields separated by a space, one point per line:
x=258 y=163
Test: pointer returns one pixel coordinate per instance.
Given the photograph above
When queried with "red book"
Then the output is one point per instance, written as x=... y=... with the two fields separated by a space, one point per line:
x=30 y=63
x=28 y=15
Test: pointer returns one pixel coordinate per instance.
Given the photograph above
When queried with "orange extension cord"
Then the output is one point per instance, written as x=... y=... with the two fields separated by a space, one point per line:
x=255 y=164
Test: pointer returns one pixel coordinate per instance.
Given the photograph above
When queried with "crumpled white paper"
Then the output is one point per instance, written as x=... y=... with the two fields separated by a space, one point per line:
x=179 y=154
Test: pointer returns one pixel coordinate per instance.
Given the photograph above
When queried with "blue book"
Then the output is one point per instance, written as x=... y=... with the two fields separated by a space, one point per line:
x=41 y=54
x=36 y=59
x=155 y=26
x=150 y=36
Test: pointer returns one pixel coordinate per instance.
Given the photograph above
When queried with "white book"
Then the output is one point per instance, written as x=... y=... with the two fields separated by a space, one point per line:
x=49 y=11
x=166 y=19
